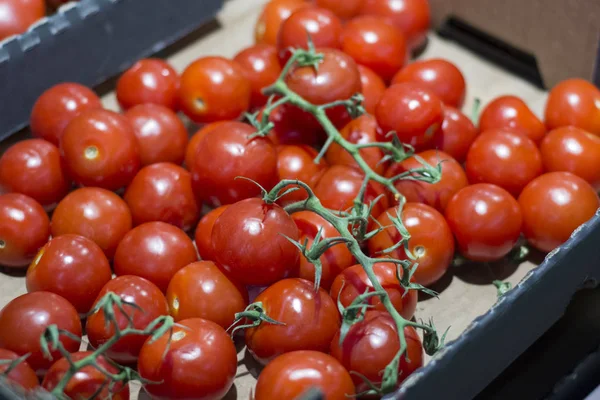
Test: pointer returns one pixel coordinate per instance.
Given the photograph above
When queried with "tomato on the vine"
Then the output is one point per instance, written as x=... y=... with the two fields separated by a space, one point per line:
x=261 y=66
x=574 y=102
x=203 y=234
x=293 y=127
x=510 y=113
x=372 y=88
x=297 y=162
x=22 y=375
x=194 y=142
x=457 y=134
x=271 y=18
x=18 y=16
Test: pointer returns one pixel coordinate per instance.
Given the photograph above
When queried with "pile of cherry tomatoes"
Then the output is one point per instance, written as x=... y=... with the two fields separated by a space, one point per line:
x=98 y=193
x=16 y=16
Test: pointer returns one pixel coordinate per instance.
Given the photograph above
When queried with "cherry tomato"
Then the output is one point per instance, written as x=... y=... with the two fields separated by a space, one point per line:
x=345 y=9
x=22 y=375
x=94 y=213
x=411 y=16
x=376 y=43
x=333 y=261
x=227 y=153
x=161 y=135
x=24 y=228
x=71 y=266
x=163 y=192
x=192 y=147
x=290 y=127
x=213 y=89
x=134 y=289
x=311 y=320
x=431 y=240
x=412 y=111
x=17 y=16
x=506 y=159
x=24 y=319
x=155 y=251
x=572 y=150
x=100 y=149
x=486 y=221
x=553 y=206
x=510 y=113
x=203 y=235
x=249 y=242
x=269 y=21
x=197 y=361
x=297 y=162
x=261 y=66
x=89 y=382
x=372 y=88
x=57 y=106
x=437 y=194
x=574 y=102
x=457 y=134
x=370 y=345
x=293 y=374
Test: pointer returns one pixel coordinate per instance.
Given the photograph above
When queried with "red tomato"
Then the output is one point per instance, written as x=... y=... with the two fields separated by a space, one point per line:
x=89 y=382
x=202 y=290
x=431 y=240
x=228 y=153
x=457 y=134
x=437 y=194
x=161 y=135
x=510 y=113
x=311 y=320
x=192 y=146
x=370 y=346
x=22 y=375
x=203 y=235
x=57 y=106
x=94 y=213
x=134 y=289
x=297 y=162
x=573 y=150
x=486 y=221
x=412 y=111
x=33 y=167
x=376 y=43
x=248 y=242
x=291 y=375
x=197 y=361
x=290 y=127
x=100 y=149
x=574 y=102
x=333 y=261
x=269 y=21
x=372 y=88
x=155 y=251
x=340 y=184
x=24 y=319
x=553 y=206
x=345 y=9
x=17 y=16
x=71 y=266
x=149 y=80
x=506 y=159
x=163 y=192
x=261 y=66
x=24 y=228
x=213 y=89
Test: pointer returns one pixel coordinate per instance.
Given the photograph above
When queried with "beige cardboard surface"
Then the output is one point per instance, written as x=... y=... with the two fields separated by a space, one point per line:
x=466 y=291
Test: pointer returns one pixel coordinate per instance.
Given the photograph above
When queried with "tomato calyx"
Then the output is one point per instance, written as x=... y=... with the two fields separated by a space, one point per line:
x=255 y=313
x=502 y=287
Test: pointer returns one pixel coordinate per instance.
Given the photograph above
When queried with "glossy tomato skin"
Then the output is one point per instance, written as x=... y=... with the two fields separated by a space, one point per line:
x=87 y=381
x=249 y=242
x=261 y=66
x=24 y=229
x=100 y=149
x=22 y=375
x=486 y=221
x=457 y=134
x=431 y=240
x=163 y=192
x=33 y=167
x=155 y=251
x=345 y=9
x=291 y=375
x=203 y=234
x=375 y=43
x=160 y=134
x=71 y=266
x=148 y=81
x=510 y=113
x=227 y=153
x=372 y=88
x=271 y=18
x=574 y=102
x=438 y=75
x=290 y=127
x=333 y=261
x=311 y=320
x=202 y=290
x=192 y=146
x=24 y=319
x=57 y=106
x=200 y=362
x=503 y=158
x=437 y=194
x=214 y=89
x=370 y=346
x=297 y=162
x=553 y=206
x=17 y=16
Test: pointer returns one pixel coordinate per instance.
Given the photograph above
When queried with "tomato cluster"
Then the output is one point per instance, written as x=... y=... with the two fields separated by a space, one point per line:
x=131 y=195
